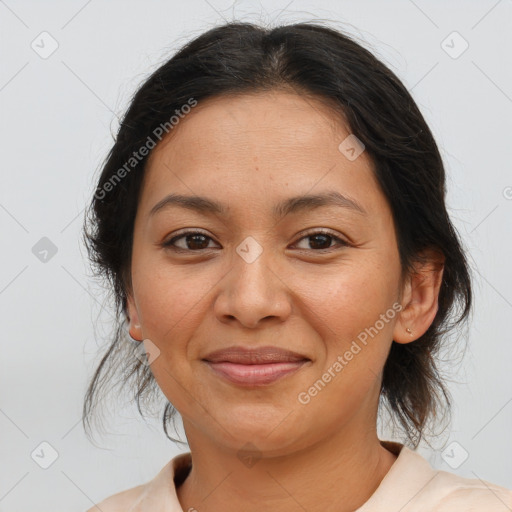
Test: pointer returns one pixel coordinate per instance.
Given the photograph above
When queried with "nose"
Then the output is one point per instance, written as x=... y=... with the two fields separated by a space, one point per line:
x=253 y=294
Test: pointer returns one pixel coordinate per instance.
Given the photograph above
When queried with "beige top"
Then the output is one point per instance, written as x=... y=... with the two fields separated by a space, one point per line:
x=411 y=485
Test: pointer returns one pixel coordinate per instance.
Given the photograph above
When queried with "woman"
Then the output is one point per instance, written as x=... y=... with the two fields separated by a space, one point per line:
x=272 y=219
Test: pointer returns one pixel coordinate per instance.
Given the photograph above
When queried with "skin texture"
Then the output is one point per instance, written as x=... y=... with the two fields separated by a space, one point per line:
x=310 y=295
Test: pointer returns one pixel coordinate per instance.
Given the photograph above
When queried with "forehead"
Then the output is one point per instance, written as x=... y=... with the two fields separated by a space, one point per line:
x=259 y=121
x=257 y=147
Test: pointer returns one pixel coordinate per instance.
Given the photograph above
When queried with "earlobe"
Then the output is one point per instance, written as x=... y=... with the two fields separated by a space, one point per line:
x=135 y=329
x=420 y=298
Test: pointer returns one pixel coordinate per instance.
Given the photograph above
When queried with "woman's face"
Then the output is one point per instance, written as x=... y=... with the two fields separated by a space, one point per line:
x=269 y=268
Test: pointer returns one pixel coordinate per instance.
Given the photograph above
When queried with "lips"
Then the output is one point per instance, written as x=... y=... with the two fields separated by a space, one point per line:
x=249 y=367
x=261 y=355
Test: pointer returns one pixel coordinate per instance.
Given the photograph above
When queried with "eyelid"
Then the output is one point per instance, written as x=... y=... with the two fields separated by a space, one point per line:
x=189 y=231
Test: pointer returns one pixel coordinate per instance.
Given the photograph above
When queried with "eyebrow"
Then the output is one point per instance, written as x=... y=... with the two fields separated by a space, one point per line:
x=288 y=206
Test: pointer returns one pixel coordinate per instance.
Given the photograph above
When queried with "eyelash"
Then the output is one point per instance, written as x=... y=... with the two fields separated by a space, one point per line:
x=170 y=243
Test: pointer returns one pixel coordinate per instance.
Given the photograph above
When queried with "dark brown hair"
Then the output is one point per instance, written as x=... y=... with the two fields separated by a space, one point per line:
x=324 y=63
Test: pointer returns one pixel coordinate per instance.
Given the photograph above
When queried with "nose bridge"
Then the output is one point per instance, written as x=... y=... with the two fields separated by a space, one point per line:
x=252 y=290
x=252 y=266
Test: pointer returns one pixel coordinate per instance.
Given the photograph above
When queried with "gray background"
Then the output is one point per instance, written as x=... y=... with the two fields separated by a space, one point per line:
x=57 y=116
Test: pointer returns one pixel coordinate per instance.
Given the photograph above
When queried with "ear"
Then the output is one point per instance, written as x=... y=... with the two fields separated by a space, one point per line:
x=420 y=294
x=135 y=329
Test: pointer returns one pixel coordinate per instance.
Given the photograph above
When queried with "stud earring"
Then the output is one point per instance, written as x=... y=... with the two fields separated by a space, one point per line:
x=409 y=331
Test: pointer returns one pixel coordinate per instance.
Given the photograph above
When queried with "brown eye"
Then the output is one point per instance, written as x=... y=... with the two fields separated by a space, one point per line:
x=190 y=241
x=322 y=240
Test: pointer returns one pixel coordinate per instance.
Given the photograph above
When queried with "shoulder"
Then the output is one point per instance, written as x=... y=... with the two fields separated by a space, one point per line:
x=413 y=484
x=121 y=501
x=472 y=494
x=156 y=495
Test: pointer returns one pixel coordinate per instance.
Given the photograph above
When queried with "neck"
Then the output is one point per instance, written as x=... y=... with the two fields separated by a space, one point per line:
x=338 y=474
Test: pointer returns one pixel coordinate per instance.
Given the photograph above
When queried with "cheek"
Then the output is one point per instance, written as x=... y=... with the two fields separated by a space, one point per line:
x=350 y=299
x=354 y=318
x=352 y=312
x=167 y=301
x=171 y=309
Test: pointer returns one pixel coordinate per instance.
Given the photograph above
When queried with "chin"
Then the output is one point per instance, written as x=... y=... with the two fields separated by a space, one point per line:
x=268 y=432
